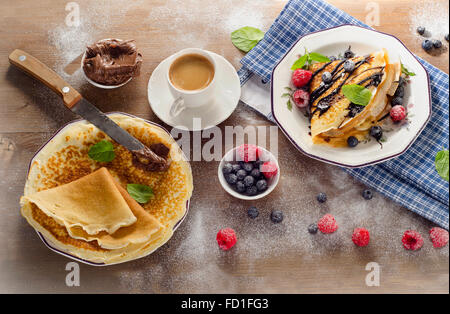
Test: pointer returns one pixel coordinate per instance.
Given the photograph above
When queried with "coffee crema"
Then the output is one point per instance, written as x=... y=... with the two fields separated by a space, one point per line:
x=191 y=72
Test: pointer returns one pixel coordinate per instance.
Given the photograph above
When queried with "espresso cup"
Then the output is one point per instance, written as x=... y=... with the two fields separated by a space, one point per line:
x=190 y=97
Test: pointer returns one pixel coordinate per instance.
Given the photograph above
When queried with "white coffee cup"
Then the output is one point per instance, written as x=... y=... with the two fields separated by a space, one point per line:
x=191 y=98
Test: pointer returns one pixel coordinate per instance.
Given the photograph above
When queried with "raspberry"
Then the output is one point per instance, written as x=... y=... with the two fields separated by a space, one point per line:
x=412 y=240
x=361 y=237
x=327 y=224
x=398 y=113
x=269 y=169
x=301 y=98
x=439 y=237
x=226 y=238
x=248 y=152
x=301 y=77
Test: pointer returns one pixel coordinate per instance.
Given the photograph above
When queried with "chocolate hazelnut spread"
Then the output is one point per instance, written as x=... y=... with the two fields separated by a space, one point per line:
x=112 y=61
x=153 y=159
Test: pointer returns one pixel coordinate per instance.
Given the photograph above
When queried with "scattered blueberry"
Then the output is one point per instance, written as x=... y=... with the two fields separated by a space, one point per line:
x=367 y=194
x=247 y=166
x=312 y=228
x=397 y=101
x=240 y=187
x=276 y=216
x=421 y=30
x=252 y=190
x=349 y=66
x=321 y=197
x=241 y=174
x=332 y=58
x=352 y=141
x=446 y=37
x=327 y=77
x=437 y=44
x=349 y=53
x=227 y=168
x=255 y=173
x=427 y=44
x=231 y=178
x=236 y=168
x=249 y=181
x=253 y=212
x=376 y=132
x=261 y=185
x=400 y=92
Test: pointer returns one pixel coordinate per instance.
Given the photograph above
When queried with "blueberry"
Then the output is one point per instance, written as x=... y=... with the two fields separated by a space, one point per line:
x=251 y=191
x=437 y=44
x=312 y=228
x=253 y=212
x=236 y=168
x=321 y=197
x=231 y=178
x=261 y=185
x=240 y=187
x=427 y=45
x=376 y=132
x=352 y=141
x=349 y=66
x=255 y=173
x=401 y=81
x=397 y=101
x=446 y=37
x=400 y=92
x=227 y=168
x=332 y=58
x=327 y=77
x=276 y=216
x=249 y=181
x=247 y=166
x=258 y=163
x=349 y=53
x=367 y=194
x=241 y=174
x=421 y=30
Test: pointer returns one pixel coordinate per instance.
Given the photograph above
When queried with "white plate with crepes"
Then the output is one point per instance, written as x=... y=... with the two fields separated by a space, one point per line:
x=332 y=42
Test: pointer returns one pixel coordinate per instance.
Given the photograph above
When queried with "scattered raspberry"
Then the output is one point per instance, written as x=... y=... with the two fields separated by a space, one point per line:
x=226 y=238
x=327 y=224
x=301 y=98
x=361 y=237
x=439 y=237
x=398 y=113
x=301 y=77
x=412 y=240
x=248 y=152
x=269 y=169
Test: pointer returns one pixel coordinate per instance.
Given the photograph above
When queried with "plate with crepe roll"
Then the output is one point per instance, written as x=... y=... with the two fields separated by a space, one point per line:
x=89 y=200
x=350 y=96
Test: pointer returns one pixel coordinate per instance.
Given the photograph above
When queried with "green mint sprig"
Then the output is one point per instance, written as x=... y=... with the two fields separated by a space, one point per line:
x=103 y=151
x=307 y=59
x=357 y=94
x=442 y=164
x=140 y=192
x=246 y=38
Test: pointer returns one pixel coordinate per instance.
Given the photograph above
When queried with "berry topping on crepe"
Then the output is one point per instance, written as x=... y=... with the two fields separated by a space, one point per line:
x=301 y=78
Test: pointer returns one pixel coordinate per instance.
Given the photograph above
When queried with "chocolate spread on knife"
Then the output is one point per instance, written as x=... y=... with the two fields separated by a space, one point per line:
x=152 y=159
x=112 y=61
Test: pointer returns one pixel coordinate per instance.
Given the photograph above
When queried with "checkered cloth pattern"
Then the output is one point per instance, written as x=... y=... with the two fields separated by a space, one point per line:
x=410 y=179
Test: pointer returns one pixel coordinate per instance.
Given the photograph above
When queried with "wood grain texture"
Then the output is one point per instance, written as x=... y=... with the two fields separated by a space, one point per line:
x=30 y=113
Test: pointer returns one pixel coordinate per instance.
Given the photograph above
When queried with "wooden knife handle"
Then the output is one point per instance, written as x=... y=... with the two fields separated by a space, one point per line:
x=40 y=71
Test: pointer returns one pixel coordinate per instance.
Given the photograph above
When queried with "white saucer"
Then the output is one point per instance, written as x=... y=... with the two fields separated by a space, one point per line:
x=228 y=92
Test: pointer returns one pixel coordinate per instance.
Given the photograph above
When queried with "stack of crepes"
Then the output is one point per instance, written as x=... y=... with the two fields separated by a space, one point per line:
x=82 y=207
x=333 y=117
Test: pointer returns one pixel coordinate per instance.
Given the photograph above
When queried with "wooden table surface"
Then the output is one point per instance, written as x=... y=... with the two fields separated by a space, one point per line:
x=267 y=258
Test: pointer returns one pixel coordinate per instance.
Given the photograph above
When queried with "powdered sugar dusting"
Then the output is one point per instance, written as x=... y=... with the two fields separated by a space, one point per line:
x=433 y=15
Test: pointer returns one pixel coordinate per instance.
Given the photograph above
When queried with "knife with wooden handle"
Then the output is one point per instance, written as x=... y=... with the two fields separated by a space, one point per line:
x=75 y=102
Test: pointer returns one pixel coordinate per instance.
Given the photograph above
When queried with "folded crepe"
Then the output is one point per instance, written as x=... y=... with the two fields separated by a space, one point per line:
x=91 y=204
x=334 y=117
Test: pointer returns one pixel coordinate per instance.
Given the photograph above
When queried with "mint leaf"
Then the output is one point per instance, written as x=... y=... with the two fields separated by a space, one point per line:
x=357 y=94
x=300 y=63
x=289 y=105
x=246 y=38
x=141 y=193
x=442 y=164
x=314 y=56
x=406 y=71
x=103 y=151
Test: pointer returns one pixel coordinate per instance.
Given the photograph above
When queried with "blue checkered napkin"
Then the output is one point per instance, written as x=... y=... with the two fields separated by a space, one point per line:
x=410 y=179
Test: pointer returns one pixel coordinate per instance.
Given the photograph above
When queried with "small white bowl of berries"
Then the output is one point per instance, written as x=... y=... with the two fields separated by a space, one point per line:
x=249 y=172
